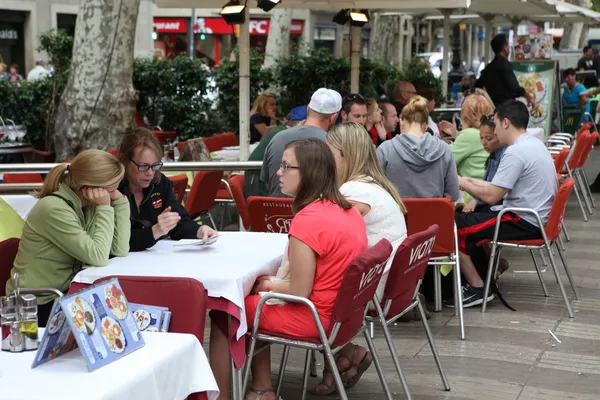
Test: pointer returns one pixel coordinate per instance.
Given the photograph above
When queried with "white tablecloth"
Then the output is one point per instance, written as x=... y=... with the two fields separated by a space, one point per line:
x=169 y=366
x=227 y=269
x=21 y=203
x=232 y=154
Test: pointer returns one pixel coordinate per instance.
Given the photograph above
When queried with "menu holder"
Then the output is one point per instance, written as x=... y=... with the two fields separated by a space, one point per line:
x=98 y=320
x=151 y=318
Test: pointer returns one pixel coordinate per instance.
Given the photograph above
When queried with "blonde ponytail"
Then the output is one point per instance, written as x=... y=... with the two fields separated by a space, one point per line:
x=416 y=111
x=54 y=178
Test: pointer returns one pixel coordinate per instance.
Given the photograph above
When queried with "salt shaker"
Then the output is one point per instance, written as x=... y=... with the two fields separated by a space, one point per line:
x=8 y=315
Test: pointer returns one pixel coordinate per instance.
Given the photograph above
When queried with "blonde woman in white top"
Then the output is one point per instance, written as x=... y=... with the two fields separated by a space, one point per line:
x=363 y=182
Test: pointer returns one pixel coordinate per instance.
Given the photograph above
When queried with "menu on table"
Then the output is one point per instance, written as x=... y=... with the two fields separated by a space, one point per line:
x=151 y=318
x=98 y=320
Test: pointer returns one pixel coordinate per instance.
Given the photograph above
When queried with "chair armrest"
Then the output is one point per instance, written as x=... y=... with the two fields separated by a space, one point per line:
x=517 y=210
x=557 y=140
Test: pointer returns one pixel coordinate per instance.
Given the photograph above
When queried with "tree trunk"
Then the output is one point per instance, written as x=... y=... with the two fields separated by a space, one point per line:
x=576 y=32
x=98 y=105
x=383 y=37
x=278 y=39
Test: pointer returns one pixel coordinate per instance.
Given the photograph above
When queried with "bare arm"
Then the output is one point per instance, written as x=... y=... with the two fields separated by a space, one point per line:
x=484 y=191
x=303 y=263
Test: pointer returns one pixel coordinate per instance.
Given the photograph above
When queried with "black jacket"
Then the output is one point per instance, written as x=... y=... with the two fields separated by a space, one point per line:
x=500 y=81
x=157 y=197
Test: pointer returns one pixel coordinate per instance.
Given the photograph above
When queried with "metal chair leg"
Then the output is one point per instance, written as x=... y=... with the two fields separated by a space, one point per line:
x=437 y=284
x=313 y=364
x=576 y=190
x=434 y=351
x=579 y=182
x=562 y=244
x=384 y=384
x=284 y=359
x=212 y=221
x=564 y=229
x=587 y=186
x=388 y=339
x=458 y=287
x=560 y=284
x=488 y=279
x=307 y=359
x=539 y=273
x=564 y=261
x=336 y=374
x=543 y=257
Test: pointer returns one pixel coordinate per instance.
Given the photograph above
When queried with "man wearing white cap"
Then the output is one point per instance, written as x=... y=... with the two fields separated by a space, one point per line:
x=322 y=112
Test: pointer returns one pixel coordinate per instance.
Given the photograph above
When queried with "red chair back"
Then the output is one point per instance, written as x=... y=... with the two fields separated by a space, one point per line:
x=561 y=159
x=585 y=127
x=580 y=148
x=180 y=183
x=186 y=299
x=218 y=142
x=180 y=147
x=408 y=268
x=422 y=213
x=357 y=290
x=589 y=145
x=8 y=252
x=114 y=152
x=557 y=212
x=23 y=178
x=203 y=192
x=236 y=183
x=270 y=214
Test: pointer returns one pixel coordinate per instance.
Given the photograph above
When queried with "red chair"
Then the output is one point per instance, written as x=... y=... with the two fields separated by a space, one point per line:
x=163 y=137
x=236 y=182
x=347 y=319
x=201 y=198
x=401 y=293
x=23 y=178
x=423 y=213
x=550 y=235
x=581 y=175
x=180 y=184
x=270 y=214
x=218 y=142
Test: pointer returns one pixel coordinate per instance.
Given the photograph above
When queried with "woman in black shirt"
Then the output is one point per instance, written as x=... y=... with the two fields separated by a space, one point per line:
x=262 y=116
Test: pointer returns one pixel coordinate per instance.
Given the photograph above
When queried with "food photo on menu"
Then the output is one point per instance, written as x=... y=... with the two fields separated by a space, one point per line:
x=98 y=320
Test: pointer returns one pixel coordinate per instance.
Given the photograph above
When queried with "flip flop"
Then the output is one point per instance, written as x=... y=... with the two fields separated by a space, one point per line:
x=355 y=372
x=329 y=388
x=260 y=392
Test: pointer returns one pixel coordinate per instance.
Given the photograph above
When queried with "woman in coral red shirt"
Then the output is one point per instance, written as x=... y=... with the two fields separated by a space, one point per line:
x=325 y=235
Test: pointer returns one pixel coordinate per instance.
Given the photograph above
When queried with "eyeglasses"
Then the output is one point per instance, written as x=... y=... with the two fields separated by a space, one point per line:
x=488 y=121
x=356 y=96
x=284 y=167
x=146 y=167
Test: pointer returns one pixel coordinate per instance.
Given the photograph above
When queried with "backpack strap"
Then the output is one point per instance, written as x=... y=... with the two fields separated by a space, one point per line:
x=69 y=202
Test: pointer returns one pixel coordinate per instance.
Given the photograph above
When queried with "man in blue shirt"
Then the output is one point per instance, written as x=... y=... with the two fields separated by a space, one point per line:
x=574 y=94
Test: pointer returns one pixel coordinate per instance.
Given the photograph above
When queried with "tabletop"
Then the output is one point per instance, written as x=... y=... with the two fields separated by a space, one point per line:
x=21 y=203
x=232 y=153
x=227 y=268
x=169 y=366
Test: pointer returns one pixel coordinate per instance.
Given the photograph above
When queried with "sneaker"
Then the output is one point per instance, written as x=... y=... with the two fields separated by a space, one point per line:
x=471 y=296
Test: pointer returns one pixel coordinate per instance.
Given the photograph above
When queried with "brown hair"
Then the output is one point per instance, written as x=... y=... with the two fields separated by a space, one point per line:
x=260 y=104
x=474 y=108
x=317 y=174
x=95 y=168
x=428 y=93
x=135 y=138
x=416 y=111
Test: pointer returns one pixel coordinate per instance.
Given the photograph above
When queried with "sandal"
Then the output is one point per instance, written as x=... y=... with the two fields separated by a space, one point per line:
x=260 y=392
x=503 y=266
x=329 y=388
x=354 y=373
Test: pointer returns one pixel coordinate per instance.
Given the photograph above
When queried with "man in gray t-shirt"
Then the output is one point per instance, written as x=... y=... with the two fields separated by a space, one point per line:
x=526 y=178
x=322 y=112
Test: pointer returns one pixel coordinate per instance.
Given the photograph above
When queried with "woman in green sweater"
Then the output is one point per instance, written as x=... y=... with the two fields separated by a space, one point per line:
x=81 y=218
x=469 y=154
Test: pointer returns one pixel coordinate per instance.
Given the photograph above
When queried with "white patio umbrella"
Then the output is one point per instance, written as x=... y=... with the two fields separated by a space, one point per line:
x=244 y=41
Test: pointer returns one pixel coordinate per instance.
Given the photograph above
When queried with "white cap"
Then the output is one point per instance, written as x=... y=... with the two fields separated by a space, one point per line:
x=325 y=101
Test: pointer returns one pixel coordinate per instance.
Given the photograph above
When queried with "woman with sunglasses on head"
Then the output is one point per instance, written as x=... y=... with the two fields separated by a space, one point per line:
x=155 y=211
x=325 y=235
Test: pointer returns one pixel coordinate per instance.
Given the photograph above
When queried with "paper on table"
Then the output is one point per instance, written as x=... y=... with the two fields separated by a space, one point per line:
x=195 y=242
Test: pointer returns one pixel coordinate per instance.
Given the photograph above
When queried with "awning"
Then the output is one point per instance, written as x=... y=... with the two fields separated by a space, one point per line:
x=327 y=4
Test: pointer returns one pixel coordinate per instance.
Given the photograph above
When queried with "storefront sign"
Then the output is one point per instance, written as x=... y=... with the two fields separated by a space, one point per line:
x=218 y=26
x=8 y=34
x=170 y=25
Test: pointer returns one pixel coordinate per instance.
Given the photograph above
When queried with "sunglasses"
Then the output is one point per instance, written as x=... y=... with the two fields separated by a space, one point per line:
x=355 y=96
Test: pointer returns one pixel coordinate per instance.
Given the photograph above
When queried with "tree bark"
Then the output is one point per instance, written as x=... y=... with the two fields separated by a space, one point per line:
x=278 y=39
x=575 y=33
x=98 y=105
x=383 y=37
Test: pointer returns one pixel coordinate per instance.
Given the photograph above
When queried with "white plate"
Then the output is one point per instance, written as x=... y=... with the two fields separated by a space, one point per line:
x=231 y=148
x=195 y=242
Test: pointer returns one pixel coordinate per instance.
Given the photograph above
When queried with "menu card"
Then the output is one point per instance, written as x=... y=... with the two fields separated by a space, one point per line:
x=151 y=318
x=98 y=319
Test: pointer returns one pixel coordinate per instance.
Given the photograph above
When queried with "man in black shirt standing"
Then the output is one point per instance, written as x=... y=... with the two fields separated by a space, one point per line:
x=498 y=77
x=588 y=61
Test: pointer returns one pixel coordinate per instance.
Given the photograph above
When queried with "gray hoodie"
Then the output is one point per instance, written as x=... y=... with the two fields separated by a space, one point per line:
x=420 y=167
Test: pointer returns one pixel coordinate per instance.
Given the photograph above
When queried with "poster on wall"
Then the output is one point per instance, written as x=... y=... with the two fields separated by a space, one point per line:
x=532 y=47
x=539 y=79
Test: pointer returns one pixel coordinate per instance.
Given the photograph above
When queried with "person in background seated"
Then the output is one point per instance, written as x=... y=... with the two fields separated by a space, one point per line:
x=418 y=164
x=401 y=95
x=81 y=218
x=390 y=119
x=355 y=109
x=155 y=211
x=430 y=95
x=526 y=178
x=374 y=125
x=365 y=185
x=262 y=116
x=252 y=184
x=469 y=154
x=574 y=93
x=322 y=112
x=326 y=233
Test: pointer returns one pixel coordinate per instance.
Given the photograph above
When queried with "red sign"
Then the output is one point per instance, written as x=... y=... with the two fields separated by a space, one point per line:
x=218 y=26
x=170 y=25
